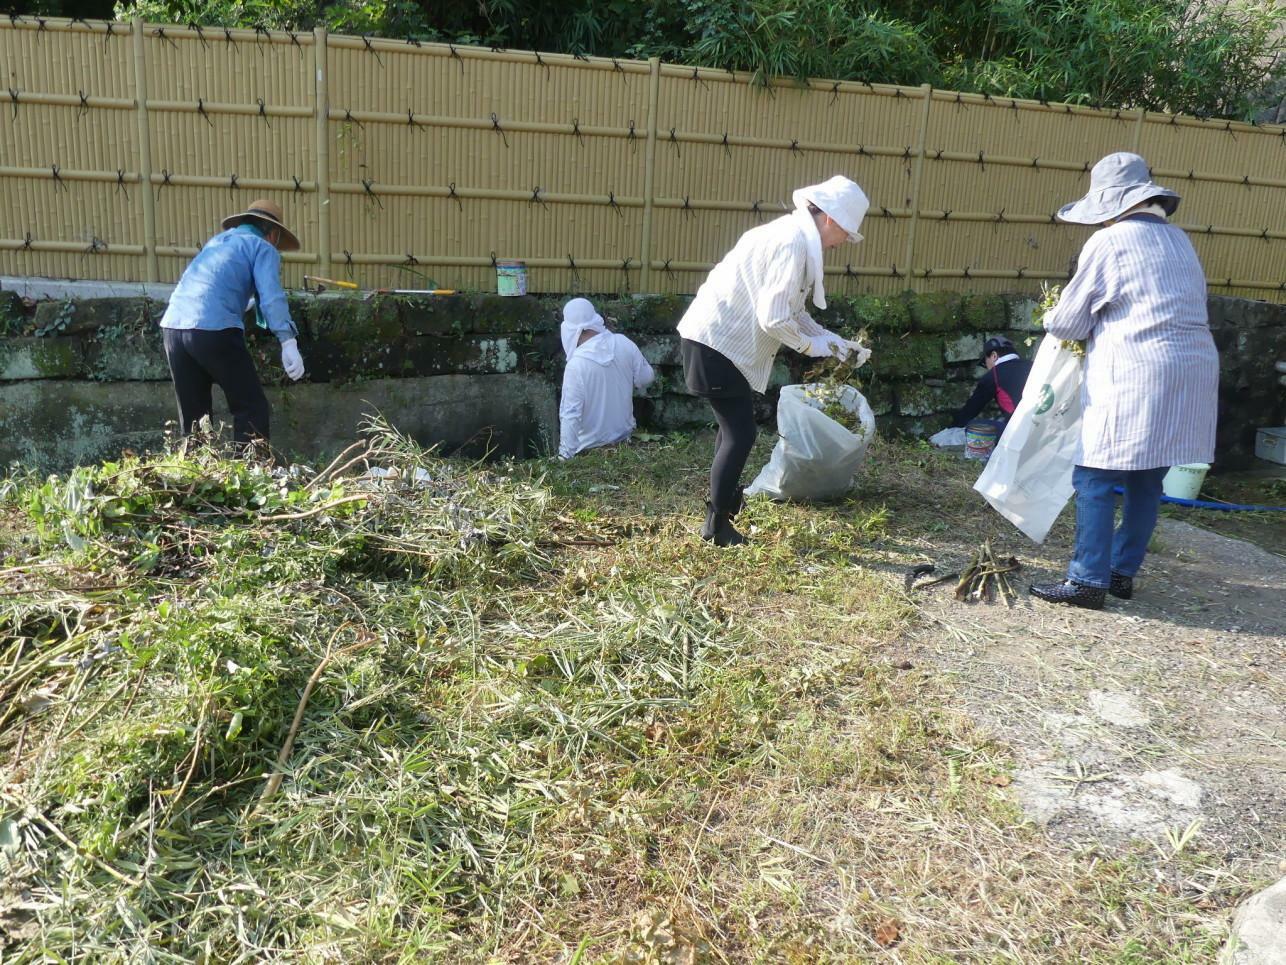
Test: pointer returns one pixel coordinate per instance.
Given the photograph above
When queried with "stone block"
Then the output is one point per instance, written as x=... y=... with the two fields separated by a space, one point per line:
x=659 y=349
x=928 y=398
x=86 y=315
x=346 y=318
x=894 y=357
x=675 y=411
x=126 y=356
x=848 y=316
x=435 y=355
x=1243 y=313
x=879 y=395
x=983 y=312
x=642 y=313
x=936 y=311
x=13 y=313
x=1021 y=313
x=23 y=358
x=918 y=427
x=964 y=348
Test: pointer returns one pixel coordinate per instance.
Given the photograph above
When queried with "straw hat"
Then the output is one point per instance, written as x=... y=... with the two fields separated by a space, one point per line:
x=1117 y=183
x=267 y=213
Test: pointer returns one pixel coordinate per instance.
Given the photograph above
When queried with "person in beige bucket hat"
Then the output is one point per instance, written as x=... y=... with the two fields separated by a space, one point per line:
x=203 y=330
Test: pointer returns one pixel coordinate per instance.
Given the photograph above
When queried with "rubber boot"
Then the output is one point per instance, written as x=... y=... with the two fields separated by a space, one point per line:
x=718 y=528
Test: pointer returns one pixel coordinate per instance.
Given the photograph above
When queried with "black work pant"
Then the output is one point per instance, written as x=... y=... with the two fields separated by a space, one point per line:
x=709 y=374
x=200 y=360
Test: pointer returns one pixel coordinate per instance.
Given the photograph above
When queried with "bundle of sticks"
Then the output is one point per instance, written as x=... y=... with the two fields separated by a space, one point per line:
x=984 y=577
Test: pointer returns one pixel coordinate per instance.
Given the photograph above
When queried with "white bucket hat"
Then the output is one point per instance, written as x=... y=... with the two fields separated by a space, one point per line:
x=842 y=199
x=1117 y=183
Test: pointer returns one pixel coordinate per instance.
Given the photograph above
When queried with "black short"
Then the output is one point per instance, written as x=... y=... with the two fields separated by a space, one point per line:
x=710 y=374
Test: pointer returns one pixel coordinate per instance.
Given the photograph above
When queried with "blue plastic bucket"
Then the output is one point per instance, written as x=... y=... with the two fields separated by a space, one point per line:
x=511 y=278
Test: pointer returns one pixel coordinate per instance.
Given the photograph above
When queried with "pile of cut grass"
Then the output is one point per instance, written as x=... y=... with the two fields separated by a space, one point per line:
x=512 y=713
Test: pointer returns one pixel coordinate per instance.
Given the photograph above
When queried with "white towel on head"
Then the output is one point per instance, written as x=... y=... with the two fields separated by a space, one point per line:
x=846 y=204
x=579 y=316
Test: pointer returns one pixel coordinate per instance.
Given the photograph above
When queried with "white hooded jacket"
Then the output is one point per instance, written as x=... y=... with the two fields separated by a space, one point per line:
x=602 y=374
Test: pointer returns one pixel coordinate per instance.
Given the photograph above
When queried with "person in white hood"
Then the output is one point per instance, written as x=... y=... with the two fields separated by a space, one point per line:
x=751 y=305
x=603 y=371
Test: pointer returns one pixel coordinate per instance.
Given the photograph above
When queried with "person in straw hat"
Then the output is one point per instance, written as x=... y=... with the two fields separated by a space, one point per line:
x=753 y=303
x=1151 y=372
x=205 y=342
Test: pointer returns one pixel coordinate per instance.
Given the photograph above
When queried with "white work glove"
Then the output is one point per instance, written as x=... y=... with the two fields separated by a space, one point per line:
x=827 y=346
x=863 y=353
x=291 y=360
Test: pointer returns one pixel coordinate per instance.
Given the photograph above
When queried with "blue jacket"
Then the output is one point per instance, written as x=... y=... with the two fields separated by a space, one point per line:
x=217 y=285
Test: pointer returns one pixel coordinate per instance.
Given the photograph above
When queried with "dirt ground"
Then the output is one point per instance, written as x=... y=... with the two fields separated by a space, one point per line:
x=1161 y=719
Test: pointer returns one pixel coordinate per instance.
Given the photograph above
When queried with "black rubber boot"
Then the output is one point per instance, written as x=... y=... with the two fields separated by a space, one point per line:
x=1122 y=587
x=1071 y=593
x=718 y=528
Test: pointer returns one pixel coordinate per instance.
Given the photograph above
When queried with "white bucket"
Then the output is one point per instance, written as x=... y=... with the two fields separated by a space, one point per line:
x=1184 y=482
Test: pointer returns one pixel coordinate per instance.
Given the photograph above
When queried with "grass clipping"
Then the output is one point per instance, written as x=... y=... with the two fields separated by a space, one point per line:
x=1049 y=295
x=826 y=383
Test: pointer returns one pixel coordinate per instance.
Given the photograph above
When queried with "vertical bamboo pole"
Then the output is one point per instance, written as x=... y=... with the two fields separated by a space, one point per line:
x=649 y=171
x=144 y=153
x=322 y=109
x=1138 y=132
x=917 y=175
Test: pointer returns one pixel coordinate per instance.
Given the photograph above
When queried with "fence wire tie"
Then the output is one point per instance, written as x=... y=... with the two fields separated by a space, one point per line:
x=366 y=39
x=938 y=156
x=1000 y=216
x=350 y=119
x=540 y=62
x=1210 y=229
x=580 y=55
x=456 y=54
x=495 y=126
x=571 y=263
x=58 y=181
x=451 y=194
x=617 y=68
x=110 y=33
x=299 y=185
x=200 y=34
x=494 y=263
x=1022 y=271
x=946 y=214
x=233 y=182
x=1264 y=235
x=13 y=96
x=1013 y=106
x=696 y=76
x=906 y=155
x=96 y=244
x=160 y=34
x=794 y=147
x=686 y=210
x=120 y=183
x=861 y=151
x=200 y=109
x=966 y=272
x=231 y=41
x=294 y=40
x=41 y=24
x=667 y=269
x=411 y=121
x=896 y=273
x=887 y=212
x=1246 y=180
x=263 y=111
x=849 y=272
x=755 y=208
x=675 y=141
x=726 y=149
x=14 y=19
x=1035 y=162
x=366 y=184
x=536 y=198
x=411 y=260
x=981 y=163
x=26 y=242
x=414 y=42
x=611 y=203
x=83 y=108
x=632 y=136
x=834 y=94
x=897 y=92
x=576 y=131
x=348 y=262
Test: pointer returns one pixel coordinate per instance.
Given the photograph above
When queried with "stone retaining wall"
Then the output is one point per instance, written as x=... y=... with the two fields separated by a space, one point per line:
x=96 y=379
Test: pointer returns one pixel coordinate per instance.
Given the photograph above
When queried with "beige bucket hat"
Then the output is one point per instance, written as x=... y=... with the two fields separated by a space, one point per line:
x=267 y=213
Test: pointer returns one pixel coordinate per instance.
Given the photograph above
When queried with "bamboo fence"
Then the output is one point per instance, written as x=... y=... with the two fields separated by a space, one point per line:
x=400 y=163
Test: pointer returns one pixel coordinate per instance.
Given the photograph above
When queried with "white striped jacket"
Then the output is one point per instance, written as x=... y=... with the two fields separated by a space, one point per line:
x=1151 y=370
x=752 y=303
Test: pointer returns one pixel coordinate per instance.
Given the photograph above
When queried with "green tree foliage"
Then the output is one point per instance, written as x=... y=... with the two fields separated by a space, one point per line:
x=1205 y=58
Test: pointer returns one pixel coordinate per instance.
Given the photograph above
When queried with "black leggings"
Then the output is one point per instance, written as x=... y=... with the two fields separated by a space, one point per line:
x=201 y=359
x=736 y=437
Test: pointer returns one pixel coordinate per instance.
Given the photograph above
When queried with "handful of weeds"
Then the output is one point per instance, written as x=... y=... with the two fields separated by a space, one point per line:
x=1049 y=295
x=826 y=382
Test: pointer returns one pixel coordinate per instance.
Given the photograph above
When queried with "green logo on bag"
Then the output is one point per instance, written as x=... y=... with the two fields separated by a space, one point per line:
x=1046 y=400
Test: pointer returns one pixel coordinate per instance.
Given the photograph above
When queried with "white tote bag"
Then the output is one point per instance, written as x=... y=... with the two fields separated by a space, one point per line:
x=815 y=457
x=1028 y=479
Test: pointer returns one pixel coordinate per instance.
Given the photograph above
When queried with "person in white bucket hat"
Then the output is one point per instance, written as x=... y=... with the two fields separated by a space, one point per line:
x=1151 y=383
x=604 y=370
x=753 y=303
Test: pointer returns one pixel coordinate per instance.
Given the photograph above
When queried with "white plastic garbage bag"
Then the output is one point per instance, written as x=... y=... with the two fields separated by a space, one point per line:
x=1029 y=476
x=815 y=457
x=948 y=438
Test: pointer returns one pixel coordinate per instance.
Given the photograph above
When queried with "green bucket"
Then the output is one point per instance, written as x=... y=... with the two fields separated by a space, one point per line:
x=511 y=278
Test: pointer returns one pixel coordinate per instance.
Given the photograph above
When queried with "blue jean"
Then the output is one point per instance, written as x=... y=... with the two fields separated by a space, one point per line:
x=1100 y=551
